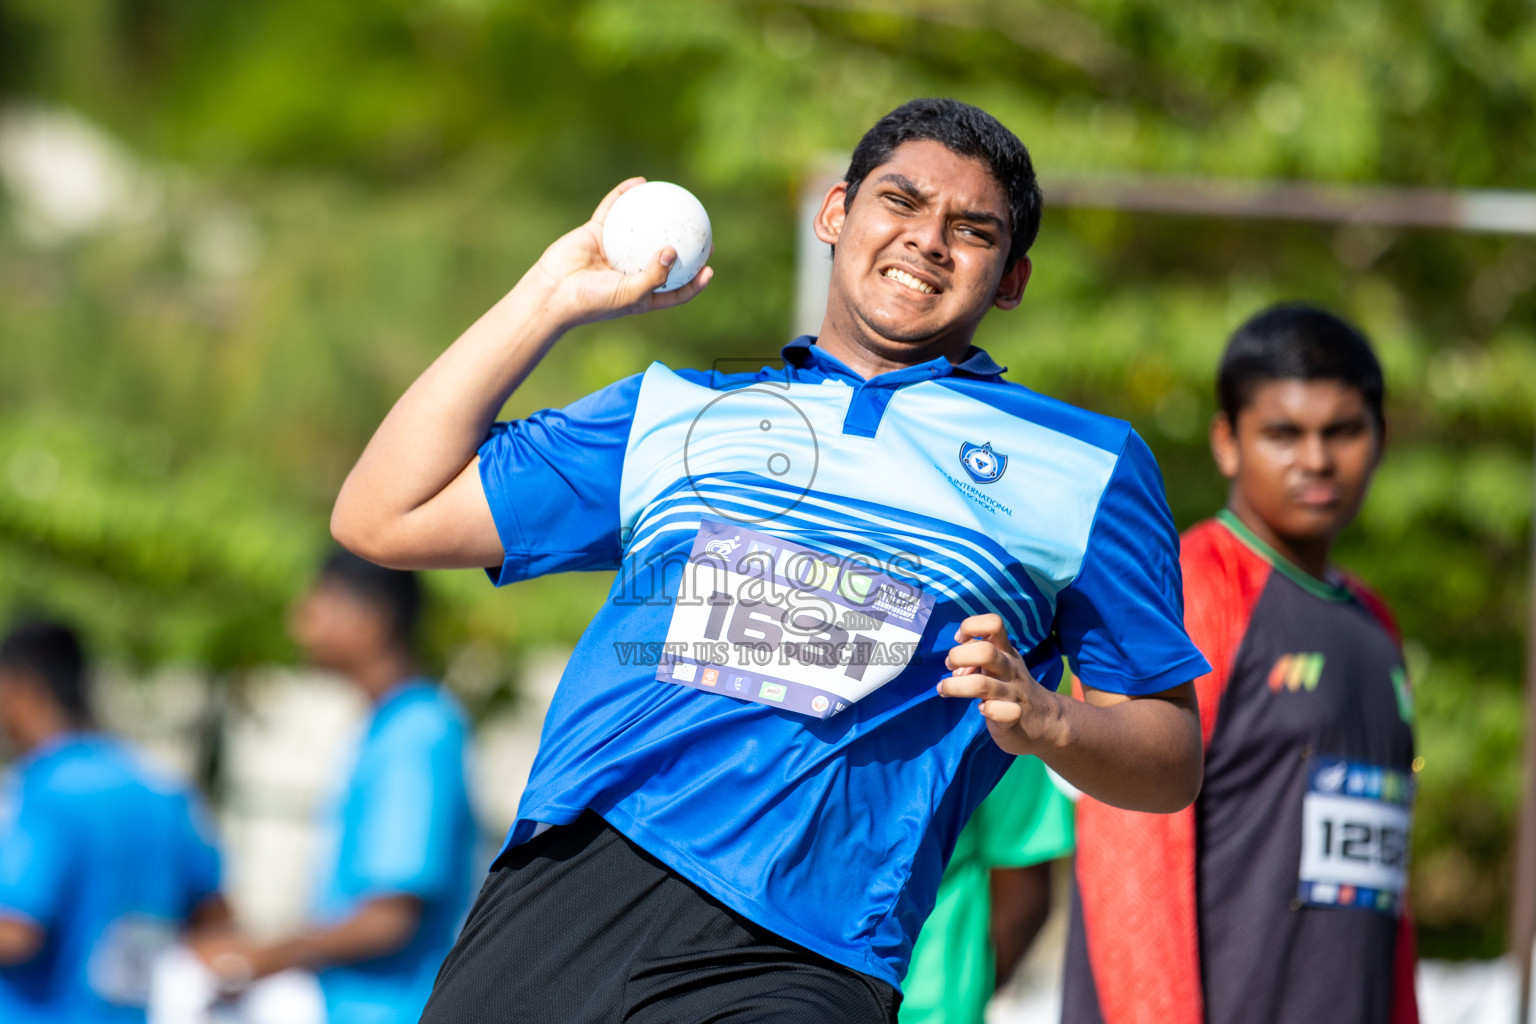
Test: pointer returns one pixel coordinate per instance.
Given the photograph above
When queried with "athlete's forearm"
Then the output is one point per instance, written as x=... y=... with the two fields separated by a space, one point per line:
x=379 y=927
x=1142 y=754
x=433 y=431
x=414 y=501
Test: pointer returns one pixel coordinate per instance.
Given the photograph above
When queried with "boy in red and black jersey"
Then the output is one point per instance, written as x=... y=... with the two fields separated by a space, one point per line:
x=1279 y=896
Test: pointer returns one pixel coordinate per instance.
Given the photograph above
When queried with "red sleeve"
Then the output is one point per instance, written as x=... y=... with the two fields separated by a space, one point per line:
x=1405 y=1001
x=1376 y=606
x=1136 y=871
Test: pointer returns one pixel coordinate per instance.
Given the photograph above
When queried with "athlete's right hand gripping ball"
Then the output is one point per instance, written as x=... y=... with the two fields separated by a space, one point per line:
x=652 y=217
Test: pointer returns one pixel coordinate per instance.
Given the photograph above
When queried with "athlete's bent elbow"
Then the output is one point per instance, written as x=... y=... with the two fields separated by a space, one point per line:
x=344 y=528
x=357 y=533
x=1189 y=788
x=1182 y=764
x=381 y=540
x=1182 y=781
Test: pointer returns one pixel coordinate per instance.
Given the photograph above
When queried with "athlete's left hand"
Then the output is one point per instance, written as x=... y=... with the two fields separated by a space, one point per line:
x=1019 y=711
x=1137 y=752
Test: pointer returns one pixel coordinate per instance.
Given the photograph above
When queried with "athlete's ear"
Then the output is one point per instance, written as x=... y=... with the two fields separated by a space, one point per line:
x=834 y=208
x=1010 y=290
x=1224 y=445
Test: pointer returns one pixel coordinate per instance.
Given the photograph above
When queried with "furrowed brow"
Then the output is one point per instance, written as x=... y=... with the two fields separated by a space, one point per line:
x=986 y=217
x=912 y=189
x=903 y=184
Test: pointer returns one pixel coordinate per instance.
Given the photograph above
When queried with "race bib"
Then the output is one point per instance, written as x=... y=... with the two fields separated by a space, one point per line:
x=782 y=624
x=122 y=962
x=1355 y=826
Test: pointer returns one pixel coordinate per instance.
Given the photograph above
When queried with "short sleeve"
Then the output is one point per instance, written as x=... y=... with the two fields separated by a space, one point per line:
x=1026 y=819
x=552 y=483
x=1121 y=620
x=406 y=840
x=34 y=862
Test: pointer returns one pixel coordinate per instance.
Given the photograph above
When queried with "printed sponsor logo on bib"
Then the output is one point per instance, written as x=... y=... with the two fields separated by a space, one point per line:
x=785 y=625
x=1354 y=844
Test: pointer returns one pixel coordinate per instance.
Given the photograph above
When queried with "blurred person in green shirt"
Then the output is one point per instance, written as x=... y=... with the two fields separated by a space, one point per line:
x=995 y=896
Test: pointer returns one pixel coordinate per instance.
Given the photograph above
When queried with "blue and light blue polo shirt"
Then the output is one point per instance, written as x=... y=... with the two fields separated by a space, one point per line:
x=404 y=827
x=109 y=858
x=755 y=703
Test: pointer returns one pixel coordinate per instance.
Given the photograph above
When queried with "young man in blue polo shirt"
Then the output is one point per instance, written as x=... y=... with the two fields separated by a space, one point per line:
x=399 y=876
x=752 y=774
x=103 y=861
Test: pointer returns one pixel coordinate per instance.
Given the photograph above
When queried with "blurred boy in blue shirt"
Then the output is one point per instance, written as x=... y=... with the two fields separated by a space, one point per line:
x=395 y=893
x=103 y=861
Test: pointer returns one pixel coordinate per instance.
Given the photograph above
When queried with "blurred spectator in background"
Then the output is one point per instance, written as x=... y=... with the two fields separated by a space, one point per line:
x=1280 y=895
x=994 y=899
x=397 y=886
x=103 y=861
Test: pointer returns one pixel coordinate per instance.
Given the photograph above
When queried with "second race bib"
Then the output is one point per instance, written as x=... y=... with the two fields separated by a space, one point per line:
x=122 y=960
x=782 y=624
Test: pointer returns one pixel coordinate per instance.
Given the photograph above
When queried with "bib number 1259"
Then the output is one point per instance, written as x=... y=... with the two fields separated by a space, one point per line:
x=1355 y=828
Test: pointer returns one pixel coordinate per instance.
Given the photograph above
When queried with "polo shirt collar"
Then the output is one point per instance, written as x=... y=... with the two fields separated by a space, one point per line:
x=402 y=691
x=804 y=354
x=52 y=747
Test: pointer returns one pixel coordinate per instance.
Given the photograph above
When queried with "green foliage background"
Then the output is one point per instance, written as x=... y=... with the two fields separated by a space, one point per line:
x=174 y=424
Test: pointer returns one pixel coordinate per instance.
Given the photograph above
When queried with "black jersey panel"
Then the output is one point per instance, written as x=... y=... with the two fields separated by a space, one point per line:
x=1313 y=676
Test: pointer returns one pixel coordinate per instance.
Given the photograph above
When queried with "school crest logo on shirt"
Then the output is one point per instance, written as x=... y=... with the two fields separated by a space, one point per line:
x=981 y=462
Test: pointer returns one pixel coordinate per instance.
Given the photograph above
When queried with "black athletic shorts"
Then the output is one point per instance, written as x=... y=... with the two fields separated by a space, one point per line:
x=580 y=926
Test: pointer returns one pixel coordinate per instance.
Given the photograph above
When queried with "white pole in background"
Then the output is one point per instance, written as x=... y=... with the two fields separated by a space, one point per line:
x=1481 y=210
x=813 y=257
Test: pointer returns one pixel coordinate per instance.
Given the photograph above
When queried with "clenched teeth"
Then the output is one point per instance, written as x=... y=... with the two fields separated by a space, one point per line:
x=902 y=277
